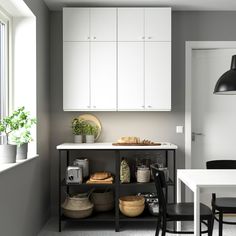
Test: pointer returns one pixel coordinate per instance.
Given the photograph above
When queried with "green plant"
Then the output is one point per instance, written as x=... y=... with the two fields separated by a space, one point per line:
x=23 y=134
x=18 y=120
x=90 y=129
x=78 y=126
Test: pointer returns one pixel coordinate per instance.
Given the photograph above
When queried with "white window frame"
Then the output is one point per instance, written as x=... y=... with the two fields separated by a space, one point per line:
x=7 y=82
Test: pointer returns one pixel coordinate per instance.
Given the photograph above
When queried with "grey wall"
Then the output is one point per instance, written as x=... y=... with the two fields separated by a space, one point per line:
x=186 y=26
x=152 y=125
x=25 y=190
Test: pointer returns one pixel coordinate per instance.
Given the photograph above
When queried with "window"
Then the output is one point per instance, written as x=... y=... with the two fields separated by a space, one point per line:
x=4 y=65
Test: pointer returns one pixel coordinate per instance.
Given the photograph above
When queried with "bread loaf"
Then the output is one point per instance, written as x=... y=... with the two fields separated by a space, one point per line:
x=129 y=139
x=100 y=175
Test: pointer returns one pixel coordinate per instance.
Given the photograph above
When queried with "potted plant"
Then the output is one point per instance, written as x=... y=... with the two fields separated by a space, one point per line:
x=9 y=125
x=78 y=126
x=22 y=136
x=90 y=132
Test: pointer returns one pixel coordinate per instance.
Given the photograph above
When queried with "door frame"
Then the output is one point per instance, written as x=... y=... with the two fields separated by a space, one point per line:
x=189 y=47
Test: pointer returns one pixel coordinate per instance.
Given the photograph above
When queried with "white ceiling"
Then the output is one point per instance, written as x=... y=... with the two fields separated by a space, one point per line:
x=178 y=5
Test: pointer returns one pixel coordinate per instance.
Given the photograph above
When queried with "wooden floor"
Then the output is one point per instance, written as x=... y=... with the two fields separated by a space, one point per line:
x=107 y=229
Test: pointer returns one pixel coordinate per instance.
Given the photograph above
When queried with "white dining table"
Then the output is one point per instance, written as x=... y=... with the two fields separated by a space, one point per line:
x=199 y=180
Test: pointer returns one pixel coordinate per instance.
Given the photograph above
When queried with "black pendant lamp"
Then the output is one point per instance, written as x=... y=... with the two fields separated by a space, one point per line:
x=227 y=82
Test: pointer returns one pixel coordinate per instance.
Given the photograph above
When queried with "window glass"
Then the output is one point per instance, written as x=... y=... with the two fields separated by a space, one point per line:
x=4 y=78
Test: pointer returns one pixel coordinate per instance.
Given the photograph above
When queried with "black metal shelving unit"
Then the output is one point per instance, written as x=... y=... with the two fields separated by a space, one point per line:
x=115 y=215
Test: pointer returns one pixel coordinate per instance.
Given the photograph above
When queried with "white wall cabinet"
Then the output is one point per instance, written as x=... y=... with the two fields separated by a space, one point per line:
x=130 y=76
x=144 y=24
x=89 y=72
x=144 y=76
x=76 y=82
x=103 y=24
x=76 y=24
x=103 y=75
x=89 y=24
x=158 y=76
x=157 y=24
x=117 y=59
x=130 y=24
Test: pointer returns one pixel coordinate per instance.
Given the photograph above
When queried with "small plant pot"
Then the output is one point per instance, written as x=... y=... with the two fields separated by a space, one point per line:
x=90 y=139
x=78 y=138
x=7 y=153
x=21 y=152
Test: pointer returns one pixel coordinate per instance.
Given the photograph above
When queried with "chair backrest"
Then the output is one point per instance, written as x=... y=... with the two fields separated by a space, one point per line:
x=221 y=164
x=160 y=183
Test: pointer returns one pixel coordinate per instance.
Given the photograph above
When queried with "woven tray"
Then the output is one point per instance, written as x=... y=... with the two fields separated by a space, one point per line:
x=136 y=144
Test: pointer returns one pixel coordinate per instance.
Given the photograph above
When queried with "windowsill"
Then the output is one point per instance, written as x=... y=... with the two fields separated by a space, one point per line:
x=4 y=167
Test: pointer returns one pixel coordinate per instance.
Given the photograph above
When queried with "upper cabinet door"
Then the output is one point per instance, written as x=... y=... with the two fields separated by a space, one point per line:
x=103 y=24
x=103 y=76
x=158 y=76
x=76 y=24
x=131 y=24
x=130 y=76
x=76 y=76
x=158 y=24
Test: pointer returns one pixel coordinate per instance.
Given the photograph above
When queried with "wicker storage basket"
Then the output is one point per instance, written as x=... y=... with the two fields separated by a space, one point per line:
x=77 y=207
x=103 y=200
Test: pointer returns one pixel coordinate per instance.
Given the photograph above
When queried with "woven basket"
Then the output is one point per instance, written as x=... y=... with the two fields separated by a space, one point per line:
x=77 y=207
x=103 y=201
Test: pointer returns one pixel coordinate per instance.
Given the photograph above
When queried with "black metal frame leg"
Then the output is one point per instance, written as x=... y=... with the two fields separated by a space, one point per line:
x=117 y=211
x=59 y=192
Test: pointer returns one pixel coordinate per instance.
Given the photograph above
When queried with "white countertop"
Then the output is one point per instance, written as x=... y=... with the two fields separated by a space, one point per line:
x=109 y=146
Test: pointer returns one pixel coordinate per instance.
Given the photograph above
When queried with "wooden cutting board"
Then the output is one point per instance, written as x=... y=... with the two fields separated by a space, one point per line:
x=135 y=144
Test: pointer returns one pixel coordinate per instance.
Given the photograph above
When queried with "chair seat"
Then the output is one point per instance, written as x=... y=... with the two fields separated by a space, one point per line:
x=226 y=204
x=185 y=211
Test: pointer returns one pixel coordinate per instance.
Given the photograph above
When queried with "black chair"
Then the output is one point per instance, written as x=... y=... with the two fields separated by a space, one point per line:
x=177 y=211
x=224 y=204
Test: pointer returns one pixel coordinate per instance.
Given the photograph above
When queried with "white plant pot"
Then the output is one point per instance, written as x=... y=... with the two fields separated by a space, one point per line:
x=22 y=151
x=7 y=153
x=90 y=139
x=78 y=138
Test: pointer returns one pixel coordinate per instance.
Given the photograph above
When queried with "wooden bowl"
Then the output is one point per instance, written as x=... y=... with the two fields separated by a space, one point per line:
x=132 y=211
x=132 y=201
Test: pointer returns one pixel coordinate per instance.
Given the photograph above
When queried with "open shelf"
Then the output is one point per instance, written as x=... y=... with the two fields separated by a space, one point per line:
x=63 y=183
x=169 y=183
x=119 y=190
x=96 y=216
x=145 y=216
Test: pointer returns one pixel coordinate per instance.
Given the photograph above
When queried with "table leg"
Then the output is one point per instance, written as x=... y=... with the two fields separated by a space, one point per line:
x=178 y=199
x=196 y=212
x=117 y=191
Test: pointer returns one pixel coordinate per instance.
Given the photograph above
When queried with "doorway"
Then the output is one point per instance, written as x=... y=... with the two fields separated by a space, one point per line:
x=209 y=119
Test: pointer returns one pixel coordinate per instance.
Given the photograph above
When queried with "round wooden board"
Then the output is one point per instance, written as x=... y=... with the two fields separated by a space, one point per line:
x=93 y=120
